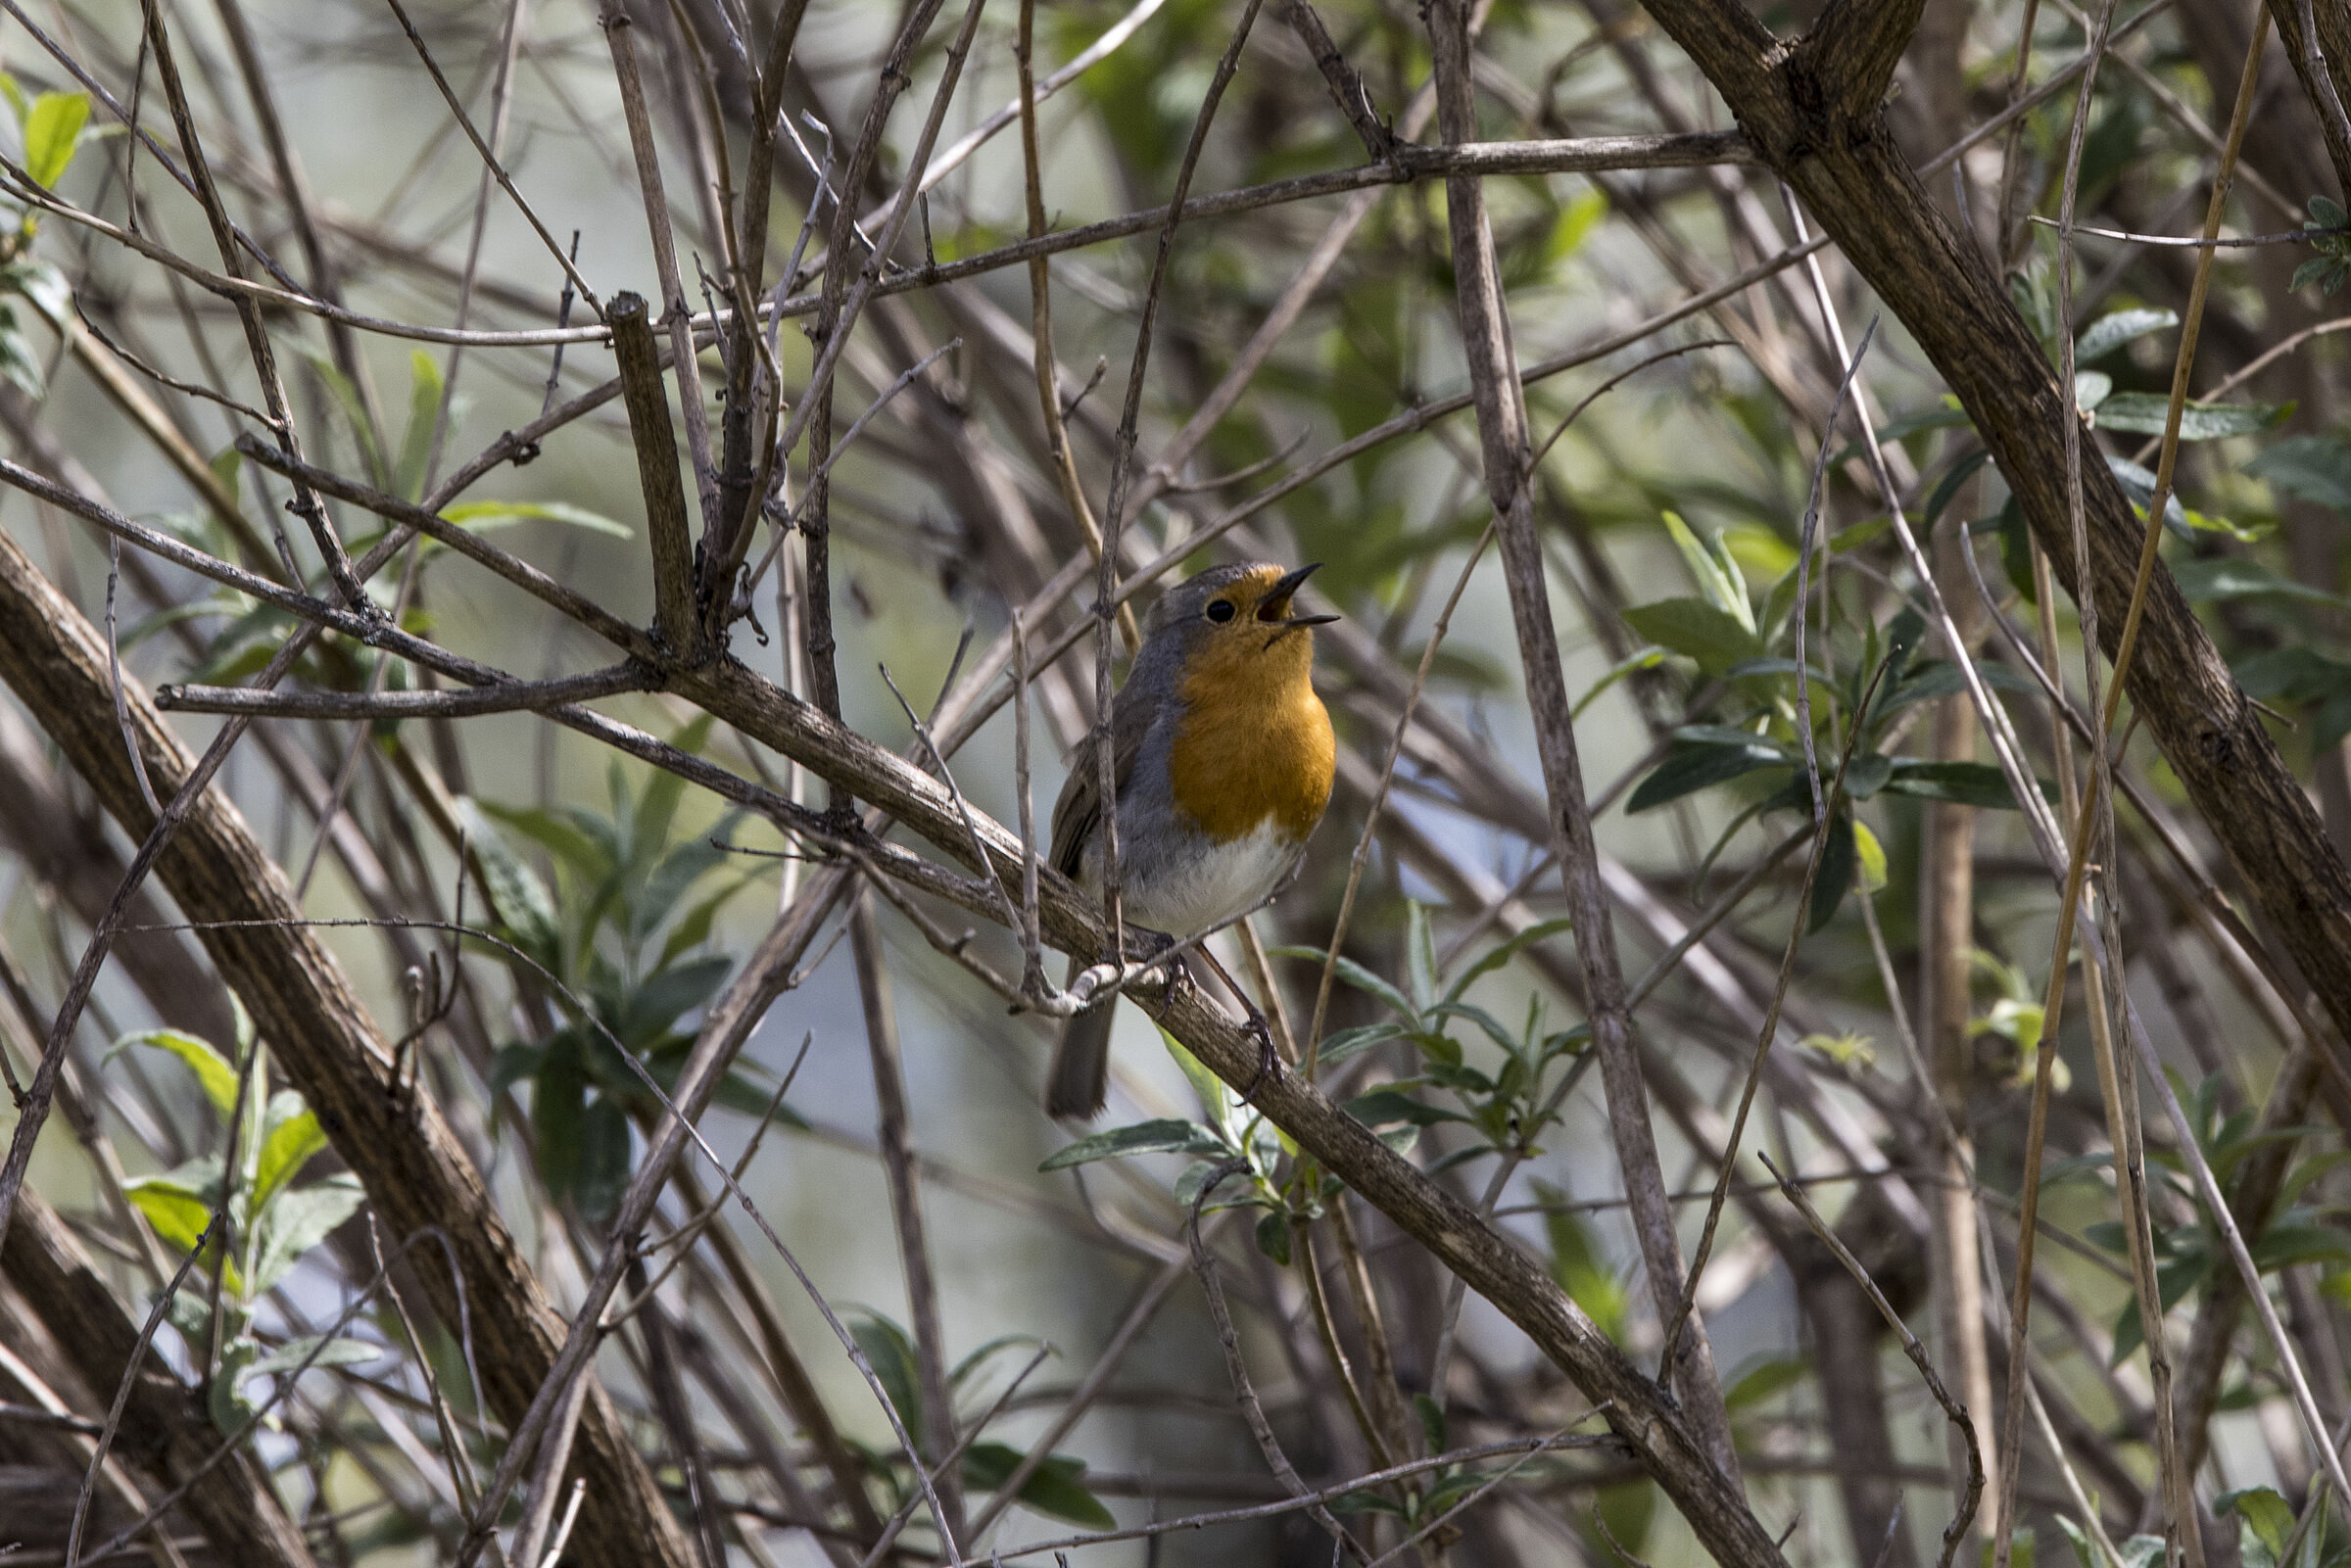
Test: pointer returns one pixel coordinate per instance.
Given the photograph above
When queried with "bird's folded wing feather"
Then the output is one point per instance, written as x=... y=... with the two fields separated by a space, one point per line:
x=1078 y=813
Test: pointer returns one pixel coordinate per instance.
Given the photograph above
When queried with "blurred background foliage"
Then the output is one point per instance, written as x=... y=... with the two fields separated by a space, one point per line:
x=613 y=902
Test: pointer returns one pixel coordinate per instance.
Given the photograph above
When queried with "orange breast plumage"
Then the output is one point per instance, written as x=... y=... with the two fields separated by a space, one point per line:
x=1254 y=747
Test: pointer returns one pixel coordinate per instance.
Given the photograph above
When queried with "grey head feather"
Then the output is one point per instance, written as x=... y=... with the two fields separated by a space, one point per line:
x=1177 y=619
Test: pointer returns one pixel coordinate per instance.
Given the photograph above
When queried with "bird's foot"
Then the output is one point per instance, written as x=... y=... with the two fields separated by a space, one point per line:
x=1174 y=968
x=1269 y=1059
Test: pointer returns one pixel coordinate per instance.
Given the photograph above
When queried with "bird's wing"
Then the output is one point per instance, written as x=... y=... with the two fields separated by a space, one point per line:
x=1078 y=811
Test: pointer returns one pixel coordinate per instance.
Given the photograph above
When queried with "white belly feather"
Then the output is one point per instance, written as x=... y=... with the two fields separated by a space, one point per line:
x=1217 y=883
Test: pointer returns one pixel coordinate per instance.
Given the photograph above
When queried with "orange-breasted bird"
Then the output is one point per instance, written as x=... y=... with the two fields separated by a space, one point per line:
x=1222 y=755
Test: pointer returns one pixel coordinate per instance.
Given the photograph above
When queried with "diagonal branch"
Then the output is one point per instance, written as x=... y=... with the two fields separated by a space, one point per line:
x=1509 y=468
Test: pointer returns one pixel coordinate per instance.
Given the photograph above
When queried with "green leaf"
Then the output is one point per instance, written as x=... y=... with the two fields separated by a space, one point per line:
x=1931 y=679
x=559 y=1105
x=416 y=441
x=52 y=129
x=1717 y=576
x=891 y=1353
x=1214 y=1097
x=1836 y=876
x=213 y=1071
x=2091 y=387
x=2285 y=1244
x=2110 y=332
x=2144 y=413
x=2317 y=468
x=176 y=1205
x=1388 y=1108
x=288 y=1147
x=2139 y=485
x=1052 y=1490
x=1580 y=1267
x=1362 y=978
x=1167 y=1135
x=693 y=926
x=1767 y=1379
x=1497 y=956
x=1947 y=488
x=480 y=515
x=1873 y=858
x=667 y=996
x=2083 y=1552
x=2264 y=1522
x=1687 y=768
x=1347 y=1043
x=1420 y=955
x=354 y=408
x=1966 y=784
x=520 y=901
x=582 y=843
x=332 y=1353
x=18 y=103
x=1648 y=658
x=603 y=1170
x=1274 y=1236
x=1945 y=416
x=1694 y=628
x=298 y=1220
x=2228 y=576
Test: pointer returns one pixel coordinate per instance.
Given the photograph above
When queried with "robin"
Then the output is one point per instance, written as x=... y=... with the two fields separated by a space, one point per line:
x=1222 y=755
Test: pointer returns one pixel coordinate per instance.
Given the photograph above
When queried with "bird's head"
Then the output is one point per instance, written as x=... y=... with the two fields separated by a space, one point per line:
x=1243 y=618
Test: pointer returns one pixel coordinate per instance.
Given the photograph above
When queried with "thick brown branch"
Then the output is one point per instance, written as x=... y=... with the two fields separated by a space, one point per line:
x=1846 y=167
x=668 y=530
x=166 y=1431
x=415 y=1173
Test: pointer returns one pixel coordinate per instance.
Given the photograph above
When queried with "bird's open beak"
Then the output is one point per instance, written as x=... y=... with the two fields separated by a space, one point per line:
x=1275 y=605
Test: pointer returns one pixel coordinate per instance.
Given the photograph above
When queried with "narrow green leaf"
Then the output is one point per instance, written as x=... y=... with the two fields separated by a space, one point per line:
x=1497 y=956
x=891 y=1353
x=1696 y=629
x=333 y=1353
x=52 y=129
x=2230 y=577
x=479 y=515
x=2144 y=413
x=2316 y=469
x=288 y=1147
x=298 y=1220
x=2110 y=332
x=1053 y=1490
x=213 y=1071
x=1687 y=768
x=1167 y=1135
x=416 y=439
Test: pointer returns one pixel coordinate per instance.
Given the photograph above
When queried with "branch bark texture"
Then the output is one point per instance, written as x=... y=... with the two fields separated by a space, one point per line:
x=1509 y=468
x=415 y=1173
x=1798 y=106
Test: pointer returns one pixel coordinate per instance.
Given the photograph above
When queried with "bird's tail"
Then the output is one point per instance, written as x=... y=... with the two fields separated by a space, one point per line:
x=1079 y=1079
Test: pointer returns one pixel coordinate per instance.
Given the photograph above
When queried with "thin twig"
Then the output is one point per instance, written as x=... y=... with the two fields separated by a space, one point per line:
x=1952 y=1410
x=1253 y=1414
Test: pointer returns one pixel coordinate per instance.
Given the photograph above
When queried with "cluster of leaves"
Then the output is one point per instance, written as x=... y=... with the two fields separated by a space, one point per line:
x=1503 y=1110
x=2329 y=234
x=2189 y=1252
x=1720 y=633
x=51 y=128
x=249 y=633
x=272 y=1220
x=623 y=947
x=1056 y=1488
x=1230 y=1138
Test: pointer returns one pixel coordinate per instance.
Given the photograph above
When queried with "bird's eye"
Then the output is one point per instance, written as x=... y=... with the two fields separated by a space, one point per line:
x=1220 y=609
